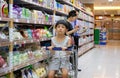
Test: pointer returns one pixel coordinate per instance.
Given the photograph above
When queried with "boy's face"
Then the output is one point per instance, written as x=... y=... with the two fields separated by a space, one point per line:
x=61 y=29
x=74 y=18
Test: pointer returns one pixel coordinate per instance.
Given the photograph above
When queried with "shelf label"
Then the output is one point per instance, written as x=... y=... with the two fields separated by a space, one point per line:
x=15 y=43
x=24 y=42
x=39 y=22
x=16 y=20
x=31 y=41
x=42 y=22
x=0 y=18
x=38 y=40
x=50 y=23
x=28 y=21
x=35 y=22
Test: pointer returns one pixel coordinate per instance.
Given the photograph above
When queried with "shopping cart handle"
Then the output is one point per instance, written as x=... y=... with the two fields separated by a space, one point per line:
x=60 y=49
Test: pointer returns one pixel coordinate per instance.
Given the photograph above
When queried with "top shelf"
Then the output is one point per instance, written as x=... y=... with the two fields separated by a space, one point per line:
x=33 y=5
x=70 y=4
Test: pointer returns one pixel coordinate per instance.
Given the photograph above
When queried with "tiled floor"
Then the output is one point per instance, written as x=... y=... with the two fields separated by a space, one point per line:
x=101 y=62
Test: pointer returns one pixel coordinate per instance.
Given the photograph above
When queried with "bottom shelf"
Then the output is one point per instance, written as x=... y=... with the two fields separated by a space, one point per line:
x=82 y=50
x=81 y=53
x=4 y=71
x=30 y=62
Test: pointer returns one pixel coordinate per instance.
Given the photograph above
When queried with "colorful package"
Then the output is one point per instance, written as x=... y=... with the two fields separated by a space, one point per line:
x=4 y=8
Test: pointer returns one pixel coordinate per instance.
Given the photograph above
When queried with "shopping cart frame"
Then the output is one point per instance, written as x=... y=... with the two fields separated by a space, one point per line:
x=74 y=56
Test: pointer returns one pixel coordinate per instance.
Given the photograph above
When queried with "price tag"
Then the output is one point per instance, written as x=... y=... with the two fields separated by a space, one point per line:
x=28 y=21
x=24 y=42
x=16 y=20
x=50 y=23
x=35 y=22
x=0 y=18
x=38 y=40
x=39 y=22
x=31 y=41
x=15 y=43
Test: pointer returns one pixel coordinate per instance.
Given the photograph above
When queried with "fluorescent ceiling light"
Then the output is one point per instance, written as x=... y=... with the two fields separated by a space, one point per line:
x=107 y=8
x=100 y=17
x=110 y=0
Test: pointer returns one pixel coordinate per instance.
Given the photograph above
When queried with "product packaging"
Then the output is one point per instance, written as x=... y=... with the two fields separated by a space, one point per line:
x=4 y=8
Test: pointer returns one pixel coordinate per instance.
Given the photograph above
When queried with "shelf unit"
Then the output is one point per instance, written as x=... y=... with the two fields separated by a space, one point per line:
x=32 y=5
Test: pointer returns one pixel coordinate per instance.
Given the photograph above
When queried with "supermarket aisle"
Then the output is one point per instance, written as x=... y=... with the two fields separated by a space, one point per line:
x=103 y=62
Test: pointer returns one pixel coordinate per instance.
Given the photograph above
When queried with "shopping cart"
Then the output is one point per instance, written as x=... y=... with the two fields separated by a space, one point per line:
x=73 y=64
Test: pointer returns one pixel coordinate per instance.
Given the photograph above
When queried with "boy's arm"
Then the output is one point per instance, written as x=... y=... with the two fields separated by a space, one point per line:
x=73 y=30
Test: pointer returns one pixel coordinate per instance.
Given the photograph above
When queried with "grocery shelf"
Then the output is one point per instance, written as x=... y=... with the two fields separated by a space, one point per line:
x=80 y=53
x=4 y=70
x=86 y=35
x=25 y=23
x=33 y=5
x=70 y=4
x=80 y=18
x=3 y=19
x=61 y=13
x=25 y=41
x=30 y=62
x=5 y=43
x=86 y=43
x=30 y=21
x=88 y=21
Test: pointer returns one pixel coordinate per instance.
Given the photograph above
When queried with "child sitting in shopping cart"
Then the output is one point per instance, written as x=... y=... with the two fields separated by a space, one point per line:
x=60 y=59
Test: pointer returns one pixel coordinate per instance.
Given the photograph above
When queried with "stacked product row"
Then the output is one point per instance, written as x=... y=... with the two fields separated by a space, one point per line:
x=62 y=7
x=85 y=39
x=85 y=28
x=85 y=16
x=38 y=70
x=3 y=8
x=26 y=53
x=24 y=13
x=85 y=48
x=23 y=55
x=77 y=3
x=44 y=3
x=22 y=34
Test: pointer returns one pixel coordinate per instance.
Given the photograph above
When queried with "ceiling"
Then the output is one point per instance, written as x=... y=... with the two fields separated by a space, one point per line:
x=104 y=3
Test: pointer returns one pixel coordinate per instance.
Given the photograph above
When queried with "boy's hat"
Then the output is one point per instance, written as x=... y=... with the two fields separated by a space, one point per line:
x=62 y=22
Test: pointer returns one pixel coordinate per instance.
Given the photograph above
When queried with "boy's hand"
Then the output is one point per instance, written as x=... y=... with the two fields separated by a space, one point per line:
x=77 y=27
